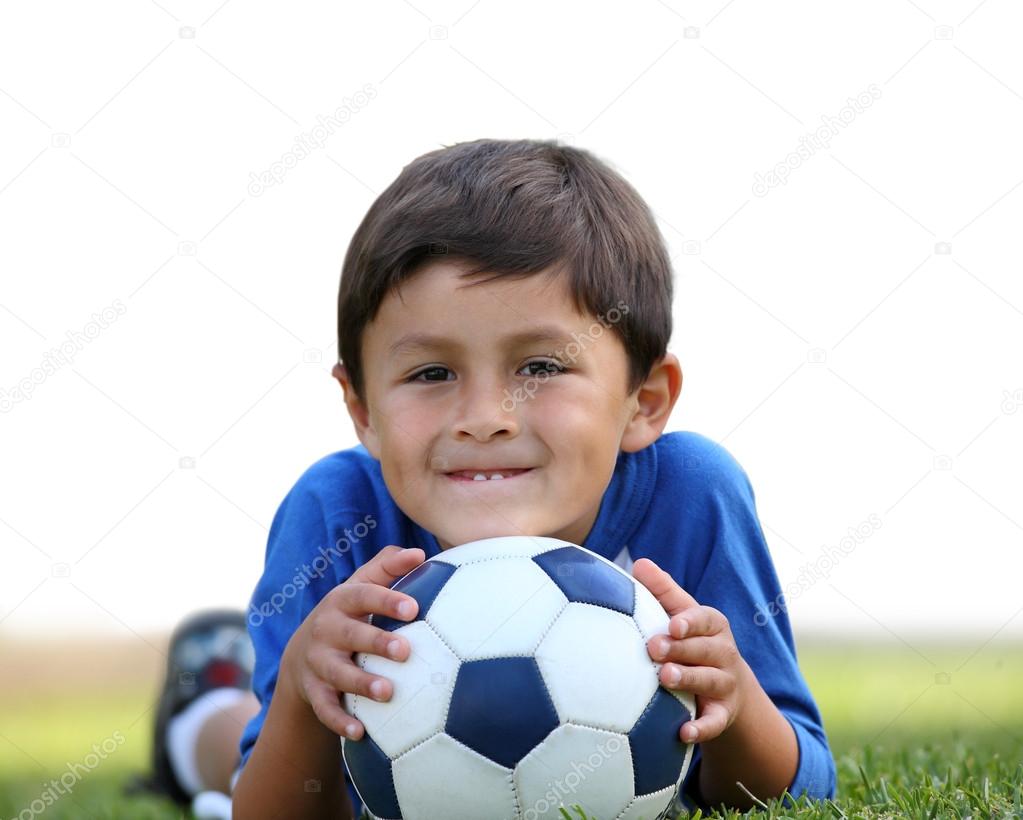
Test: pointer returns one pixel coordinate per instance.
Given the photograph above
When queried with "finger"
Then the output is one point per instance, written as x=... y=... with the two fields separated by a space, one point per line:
x=338 y=631
x=339 y=672
x=326 y=705
x=710 y=724
x=698 y=651
x=671 y=596
x=696 y=680
x=358 y=599
x=699 y=620
x=388 y=565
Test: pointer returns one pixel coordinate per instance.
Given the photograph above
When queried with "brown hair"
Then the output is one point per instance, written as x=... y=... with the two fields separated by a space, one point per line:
x=514 y=208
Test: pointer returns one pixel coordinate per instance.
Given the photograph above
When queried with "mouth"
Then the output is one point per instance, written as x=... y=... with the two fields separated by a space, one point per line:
x=481 y=476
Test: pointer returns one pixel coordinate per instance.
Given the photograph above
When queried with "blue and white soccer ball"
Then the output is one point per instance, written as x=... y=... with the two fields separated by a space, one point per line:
x=529 y=687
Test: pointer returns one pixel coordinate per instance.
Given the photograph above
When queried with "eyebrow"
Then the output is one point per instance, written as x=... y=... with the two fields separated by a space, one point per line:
x=426 y=341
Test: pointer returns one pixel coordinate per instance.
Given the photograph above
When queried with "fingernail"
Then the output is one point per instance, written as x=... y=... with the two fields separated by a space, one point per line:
x=377 y=689
x=674 y=675
x=393 y=648
x=405 y=609
x=683 y=627
x=350 y=731
x=661 y=648
x=689 y=733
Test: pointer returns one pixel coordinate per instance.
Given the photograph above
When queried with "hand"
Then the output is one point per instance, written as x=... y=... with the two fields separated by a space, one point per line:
x=699 y=655
x=318 y=661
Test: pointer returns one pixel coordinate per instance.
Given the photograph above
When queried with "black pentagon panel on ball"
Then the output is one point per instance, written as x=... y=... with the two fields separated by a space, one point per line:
x=657 y=750
x=423 y=584
x=501 y=708
x=586 y=579
x=370 y=769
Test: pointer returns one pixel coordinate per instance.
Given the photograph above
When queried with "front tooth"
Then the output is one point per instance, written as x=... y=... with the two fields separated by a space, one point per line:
x=496 y=476
x=479 y=477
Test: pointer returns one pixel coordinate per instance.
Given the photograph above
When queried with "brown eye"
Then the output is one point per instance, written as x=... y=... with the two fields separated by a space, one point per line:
x=549 y=366
x=428 y=371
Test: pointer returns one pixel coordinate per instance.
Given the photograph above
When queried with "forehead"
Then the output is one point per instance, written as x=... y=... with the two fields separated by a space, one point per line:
x=437 y=300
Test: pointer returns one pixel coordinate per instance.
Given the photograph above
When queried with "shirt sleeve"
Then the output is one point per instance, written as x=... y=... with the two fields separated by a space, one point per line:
x=300 y=568
x=740 y=580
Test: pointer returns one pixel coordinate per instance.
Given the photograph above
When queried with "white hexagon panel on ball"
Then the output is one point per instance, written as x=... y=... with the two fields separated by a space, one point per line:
x=443 y=778
x=492 y=608
x=576 y=765
x=422 y=689
x=597 y=668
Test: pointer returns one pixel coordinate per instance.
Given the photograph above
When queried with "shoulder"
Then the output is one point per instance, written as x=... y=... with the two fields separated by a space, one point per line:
x=338 y=513
x=700 y=480
x=707 y=500
x=345 y=481
x=689 y=458
x=339 y=470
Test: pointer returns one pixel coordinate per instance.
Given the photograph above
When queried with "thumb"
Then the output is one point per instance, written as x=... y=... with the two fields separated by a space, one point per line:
x=388 y=565
x=669 y=594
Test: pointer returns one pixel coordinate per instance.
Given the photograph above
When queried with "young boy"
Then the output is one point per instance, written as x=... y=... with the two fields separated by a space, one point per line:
x=503 y=321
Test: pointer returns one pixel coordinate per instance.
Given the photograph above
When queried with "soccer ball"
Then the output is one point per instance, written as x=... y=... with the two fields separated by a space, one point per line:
x=529 y=687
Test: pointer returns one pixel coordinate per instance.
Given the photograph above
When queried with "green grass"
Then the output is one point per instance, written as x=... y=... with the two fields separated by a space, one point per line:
x=908 y=742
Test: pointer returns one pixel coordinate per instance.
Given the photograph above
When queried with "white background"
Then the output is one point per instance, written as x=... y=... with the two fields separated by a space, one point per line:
x=851 y=363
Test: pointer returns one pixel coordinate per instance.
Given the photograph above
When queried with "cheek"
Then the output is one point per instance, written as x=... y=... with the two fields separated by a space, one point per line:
x=584 y=428
x=584 y=405
x=405 y=428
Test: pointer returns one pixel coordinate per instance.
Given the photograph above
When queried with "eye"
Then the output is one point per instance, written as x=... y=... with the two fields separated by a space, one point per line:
x=437 y=373
x=547 y=365
x=426 y=371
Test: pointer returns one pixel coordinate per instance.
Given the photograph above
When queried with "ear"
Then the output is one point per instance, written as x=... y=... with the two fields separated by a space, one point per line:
x=654 y=400
x=358 y=410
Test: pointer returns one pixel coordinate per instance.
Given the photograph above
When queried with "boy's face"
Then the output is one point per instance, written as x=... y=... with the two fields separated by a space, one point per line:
x=474 y=398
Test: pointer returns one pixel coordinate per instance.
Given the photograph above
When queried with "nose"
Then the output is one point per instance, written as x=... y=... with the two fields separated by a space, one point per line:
x=485 y=410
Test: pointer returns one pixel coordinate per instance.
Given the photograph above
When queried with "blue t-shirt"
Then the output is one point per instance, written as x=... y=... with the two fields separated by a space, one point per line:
x=684 y=502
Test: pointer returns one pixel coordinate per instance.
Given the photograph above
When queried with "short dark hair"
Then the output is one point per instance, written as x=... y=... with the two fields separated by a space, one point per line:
x=514 y=208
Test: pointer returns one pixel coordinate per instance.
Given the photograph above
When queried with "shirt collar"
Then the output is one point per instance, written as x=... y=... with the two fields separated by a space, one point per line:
x=625 y=503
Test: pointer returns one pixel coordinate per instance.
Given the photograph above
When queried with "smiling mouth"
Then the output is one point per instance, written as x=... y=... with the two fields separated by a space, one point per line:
x=482 y=476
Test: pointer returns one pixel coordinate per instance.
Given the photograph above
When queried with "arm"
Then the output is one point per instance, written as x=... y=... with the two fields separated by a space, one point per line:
x=759 y=749
x=295 y=767
x=758 y=723
x=293 y=749
x=744 y=736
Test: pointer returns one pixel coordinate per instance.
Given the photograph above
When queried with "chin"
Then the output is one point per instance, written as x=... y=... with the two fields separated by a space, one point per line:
x=478 y=532
x=467 y=536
